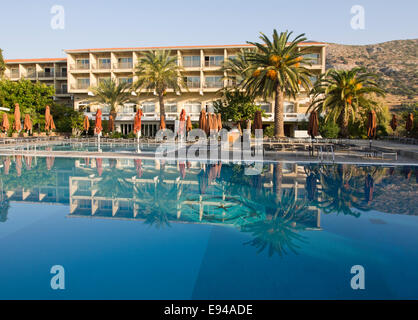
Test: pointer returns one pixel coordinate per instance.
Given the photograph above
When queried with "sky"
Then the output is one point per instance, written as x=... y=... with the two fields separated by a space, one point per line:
x=26 y=32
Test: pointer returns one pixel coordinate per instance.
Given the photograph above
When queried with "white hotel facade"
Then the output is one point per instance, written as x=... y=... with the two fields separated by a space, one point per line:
x=84 y=68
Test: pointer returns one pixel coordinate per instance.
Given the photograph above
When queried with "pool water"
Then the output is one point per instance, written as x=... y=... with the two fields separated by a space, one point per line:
x=152 y=229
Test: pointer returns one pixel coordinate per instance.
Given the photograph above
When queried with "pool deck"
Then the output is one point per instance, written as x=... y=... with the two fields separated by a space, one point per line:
x=384 y=152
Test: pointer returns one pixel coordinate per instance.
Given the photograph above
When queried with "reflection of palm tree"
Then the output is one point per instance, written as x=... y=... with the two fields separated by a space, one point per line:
x=277 y=230
x=4 y=204
x=114 y=184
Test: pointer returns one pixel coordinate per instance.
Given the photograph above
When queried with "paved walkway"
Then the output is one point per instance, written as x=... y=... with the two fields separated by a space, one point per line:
x=406 y=150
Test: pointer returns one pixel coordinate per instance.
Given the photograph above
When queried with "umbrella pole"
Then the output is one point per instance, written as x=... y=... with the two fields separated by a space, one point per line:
x=98 y=140
x=137 y=141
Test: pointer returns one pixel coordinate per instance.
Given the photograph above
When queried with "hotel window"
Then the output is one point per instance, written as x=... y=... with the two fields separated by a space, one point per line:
x=289 y=107
x=31 y=72
x=104 y=63
x=83 y=63
x=209 y=107
x=192 y=81
x=64 y=88
x=125 y=63
x=148 y=107
x=103 y=79
x=191 y=61
x=49 y=71
x=265 y=106
x=15 y=72
x=313 y=79
x=105 y=204
x=312 y=58
x=171 y=107
x=214 y=61
x=83 y=83
x=128 y=108
x=84 y=204
x=192 y=107
x=214 y=82
x=232 y=57
x=126 y=80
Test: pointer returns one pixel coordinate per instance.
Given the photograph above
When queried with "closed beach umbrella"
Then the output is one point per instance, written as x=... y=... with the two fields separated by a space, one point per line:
x=215 y=122
x=16 y=124
x=182 y=168
x=202 y=120
x=189 y=124
x=110 y=124
x=162 y=122
x=239 y=128
x=219 y=122
x=5 y=125
x=47 y=119
x=182 y=121
x=98 y=126
x=27 y=124
x=313 y=126
x=50 y=162
x=203 y=181
x=86 y=123
x=19 y=165
x=409 y=122
x=311 y=186
x=51 y=122
x=137 y=121
x=28 y=161
x=248 y=124
x=99 y=166
x=371 y=124
x=258 y=122
x=394 y=123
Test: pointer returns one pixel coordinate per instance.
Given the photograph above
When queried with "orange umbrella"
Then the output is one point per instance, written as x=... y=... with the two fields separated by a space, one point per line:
x=202 y=120
x=87 y=161
x=258 y=122
x=86 y=123
x=219 y=122
x=137 y=121
x=27 y=124
x=51 y=122
x=162 y=122
x=182 y=121
x=394 y=122
x=189 y=124
x=371 y=124
x=47 y=119
x=5 y=126
x=182 y=168
x=368 y=188
x=110 y=124
x=99 y=166
x=50 y=162
x=313 y=127
x=28 y=161
x=215 y=122
x=409 y=122
x=16 y=124
x=98 y=127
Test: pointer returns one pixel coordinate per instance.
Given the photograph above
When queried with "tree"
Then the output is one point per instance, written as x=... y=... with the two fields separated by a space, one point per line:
x=235 y=106
x=67 y=119
x=277 y=69
x=343 y=94
x=31 y=97
x=2 y=64
x=110 y=93
x=158 y=71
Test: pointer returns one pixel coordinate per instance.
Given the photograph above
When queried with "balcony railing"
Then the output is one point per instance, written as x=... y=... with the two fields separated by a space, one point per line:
x=14 y=75
x=123 y=65
x=80 y=86
x=101 y=66
x=80 y=66
x=193 y=84
x=61 y=91
x=44 y=74
x=62 y=74
x=31 y=75
x=214 y=85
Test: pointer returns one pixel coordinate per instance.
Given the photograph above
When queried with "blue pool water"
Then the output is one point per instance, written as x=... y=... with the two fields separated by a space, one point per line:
x=146 y=229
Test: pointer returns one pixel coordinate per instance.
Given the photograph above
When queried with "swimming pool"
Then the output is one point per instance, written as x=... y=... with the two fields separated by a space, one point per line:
x=153 y=229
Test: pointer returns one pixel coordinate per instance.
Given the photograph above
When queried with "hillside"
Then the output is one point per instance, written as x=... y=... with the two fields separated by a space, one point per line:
x=396 y=62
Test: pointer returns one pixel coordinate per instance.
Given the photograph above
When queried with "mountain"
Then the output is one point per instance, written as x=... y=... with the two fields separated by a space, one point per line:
x=396 y=63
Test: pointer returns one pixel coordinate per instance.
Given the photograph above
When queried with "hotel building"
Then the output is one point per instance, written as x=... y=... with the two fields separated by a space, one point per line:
x=85 y=68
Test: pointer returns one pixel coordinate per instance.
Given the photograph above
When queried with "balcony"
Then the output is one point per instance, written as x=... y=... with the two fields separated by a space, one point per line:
x=102 y=66
x=31 y=75
x=14 y=75
x=80 y=67
x=62 y=74
x=211 y=84
x=193 y=85
x=123 y=65
x=44 y=74
x=59 y=91
x=80 y=86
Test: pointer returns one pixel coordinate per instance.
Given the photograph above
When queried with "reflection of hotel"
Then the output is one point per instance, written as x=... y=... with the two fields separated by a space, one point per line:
x=87 y=67
x=82 y=188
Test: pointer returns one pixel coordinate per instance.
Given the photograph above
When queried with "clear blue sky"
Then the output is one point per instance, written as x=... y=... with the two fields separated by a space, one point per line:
x=25 y=30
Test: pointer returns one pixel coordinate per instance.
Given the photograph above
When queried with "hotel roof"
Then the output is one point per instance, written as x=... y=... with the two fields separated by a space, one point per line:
x=35 y=60
x=307 y=43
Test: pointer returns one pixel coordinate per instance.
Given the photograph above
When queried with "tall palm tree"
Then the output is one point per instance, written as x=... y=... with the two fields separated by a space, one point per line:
x=341 y=94
x=277 y=68
x=158 y=71
x=112 y=93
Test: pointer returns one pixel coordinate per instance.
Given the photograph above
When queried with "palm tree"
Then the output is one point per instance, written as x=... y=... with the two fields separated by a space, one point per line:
x=158 y=71
x=111 y=93
x=277 y=68
x=341 y=94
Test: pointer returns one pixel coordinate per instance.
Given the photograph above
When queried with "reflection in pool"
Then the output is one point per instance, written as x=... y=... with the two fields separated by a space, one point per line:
x=183 y=230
